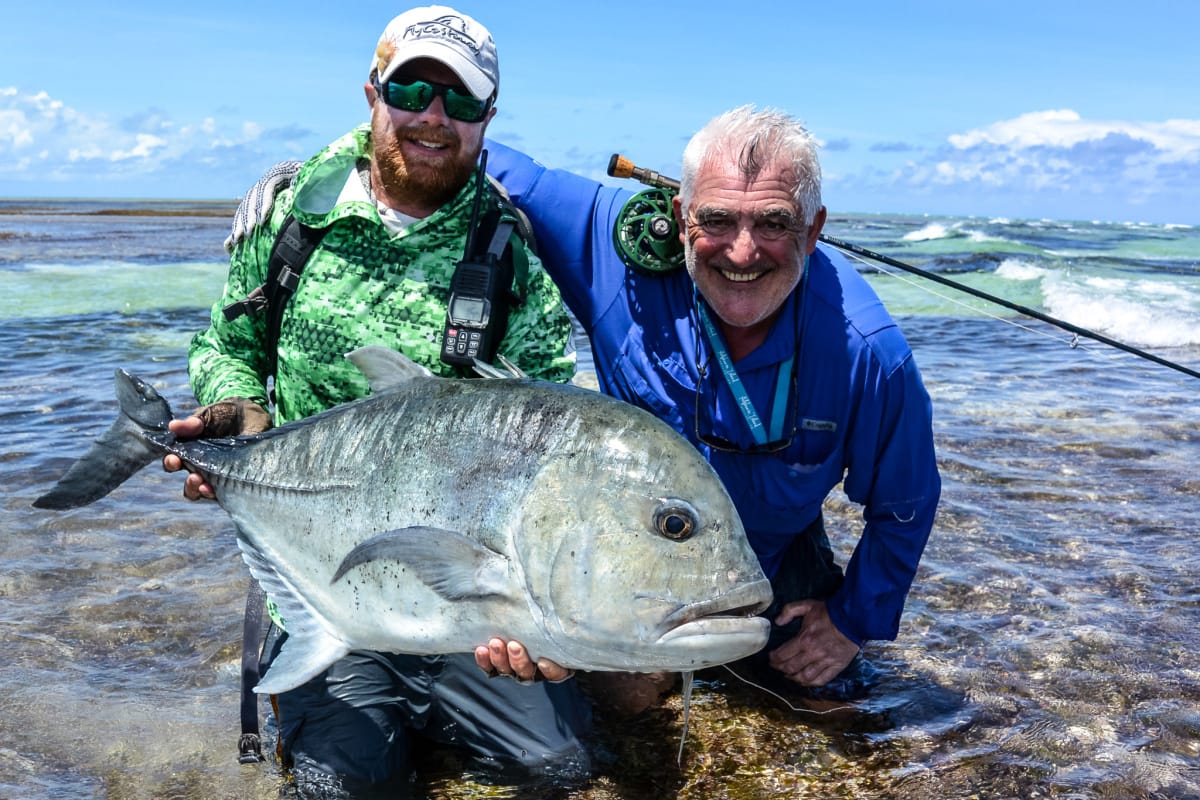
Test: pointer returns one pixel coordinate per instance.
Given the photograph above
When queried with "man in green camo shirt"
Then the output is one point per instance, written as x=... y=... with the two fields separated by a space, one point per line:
x=381 y=275
x=368 y=282
x=396 y=198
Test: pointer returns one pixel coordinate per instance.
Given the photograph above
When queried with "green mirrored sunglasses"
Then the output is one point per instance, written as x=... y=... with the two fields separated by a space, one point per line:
x=417 y=95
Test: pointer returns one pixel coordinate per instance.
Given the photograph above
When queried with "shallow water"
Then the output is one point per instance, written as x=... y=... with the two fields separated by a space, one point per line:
x=1048 y=649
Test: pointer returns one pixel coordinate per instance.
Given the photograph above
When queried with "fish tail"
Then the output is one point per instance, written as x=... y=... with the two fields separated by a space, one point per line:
x=137 y=437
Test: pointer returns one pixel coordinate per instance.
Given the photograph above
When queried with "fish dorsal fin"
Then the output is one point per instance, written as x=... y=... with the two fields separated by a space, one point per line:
x=453 y=565
x=385 y=368
x=310 y=648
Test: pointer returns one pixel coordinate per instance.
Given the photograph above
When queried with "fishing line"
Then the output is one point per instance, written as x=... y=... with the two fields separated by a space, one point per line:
x=1073 y=342
x=783 y=699
x=1020 y=309
x=687 y=713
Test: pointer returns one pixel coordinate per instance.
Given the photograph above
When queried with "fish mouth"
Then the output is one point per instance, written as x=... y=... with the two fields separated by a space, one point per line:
x=728 y=613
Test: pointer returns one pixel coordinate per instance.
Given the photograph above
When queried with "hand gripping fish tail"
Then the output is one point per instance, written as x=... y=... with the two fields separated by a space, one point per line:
x=137 y=437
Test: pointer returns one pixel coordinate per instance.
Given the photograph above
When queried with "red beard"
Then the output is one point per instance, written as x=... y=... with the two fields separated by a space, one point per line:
x=431 y=184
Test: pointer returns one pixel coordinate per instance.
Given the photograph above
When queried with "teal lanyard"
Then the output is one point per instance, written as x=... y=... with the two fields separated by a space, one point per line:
x=749 y=413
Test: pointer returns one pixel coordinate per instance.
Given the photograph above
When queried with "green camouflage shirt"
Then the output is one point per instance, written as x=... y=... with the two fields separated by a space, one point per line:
x=363 y=285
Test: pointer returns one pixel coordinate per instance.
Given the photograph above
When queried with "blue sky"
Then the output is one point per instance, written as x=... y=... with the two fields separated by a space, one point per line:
x=1055 y=108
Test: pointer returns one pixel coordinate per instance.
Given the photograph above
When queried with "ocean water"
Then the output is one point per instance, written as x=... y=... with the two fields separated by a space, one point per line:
x=1049 y=645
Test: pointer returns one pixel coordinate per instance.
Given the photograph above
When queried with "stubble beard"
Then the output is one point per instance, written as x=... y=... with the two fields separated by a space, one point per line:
x=708 y=275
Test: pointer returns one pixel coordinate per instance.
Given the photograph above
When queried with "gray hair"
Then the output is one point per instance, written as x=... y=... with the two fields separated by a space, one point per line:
x=757 y=139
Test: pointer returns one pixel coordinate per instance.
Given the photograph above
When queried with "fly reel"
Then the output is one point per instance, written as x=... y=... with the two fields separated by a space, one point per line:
x=646 y=234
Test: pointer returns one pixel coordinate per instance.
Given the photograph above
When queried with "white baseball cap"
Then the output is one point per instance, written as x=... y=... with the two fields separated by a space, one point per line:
x=444 y=35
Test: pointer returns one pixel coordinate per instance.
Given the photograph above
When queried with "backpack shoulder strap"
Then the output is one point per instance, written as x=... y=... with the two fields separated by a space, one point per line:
x=516 y=229
x=291 y=251
x=293 y=246
x=509 y=209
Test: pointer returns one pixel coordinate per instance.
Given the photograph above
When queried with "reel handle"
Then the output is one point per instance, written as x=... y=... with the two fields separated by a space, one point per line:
x=621 y=167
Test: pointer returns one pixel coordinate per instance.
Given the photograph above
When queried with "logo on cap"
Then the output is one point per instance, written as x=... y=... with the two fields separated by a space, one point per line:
x=447 y=27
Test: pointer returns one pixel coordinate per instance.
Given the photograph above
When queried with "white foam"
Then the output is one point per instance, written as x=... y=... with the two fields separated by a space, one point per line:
x=934 y=230
x=938 y=230
x=1016 y=270
x=980 y=236
x=1141 y=313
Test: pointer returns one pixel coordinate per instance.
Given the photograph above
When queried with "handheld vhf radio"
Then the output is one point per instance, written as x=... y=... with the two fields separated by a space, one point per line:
x=646 y=234
x=477 y=314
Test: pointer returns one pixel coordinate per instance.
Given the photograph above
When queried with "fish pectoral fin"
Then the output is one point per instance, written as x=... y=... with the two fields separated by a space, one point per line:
x=452 y=564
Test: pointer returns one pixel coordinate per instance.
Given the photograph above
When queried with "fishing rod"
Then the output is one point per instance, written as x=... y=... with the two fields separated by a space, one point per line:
x=1029 y=312
x=646 y=227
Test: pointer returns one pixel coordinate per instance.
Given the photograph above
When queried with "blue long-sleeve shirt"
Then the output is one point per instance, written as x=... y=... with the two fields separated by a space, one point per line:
x=862 y=412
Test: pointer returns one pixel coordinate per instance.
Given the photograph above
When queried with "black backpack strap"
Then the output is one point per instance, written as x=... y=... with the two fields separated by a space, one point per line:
x=517 y=226
x=510 y=209
x=293 y=245
x=253 y=635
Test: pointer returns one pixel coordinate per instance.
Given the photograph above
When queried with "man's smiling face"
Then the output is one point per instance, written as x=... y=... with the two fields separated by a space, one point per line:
x=746 y=242
x=425 y=157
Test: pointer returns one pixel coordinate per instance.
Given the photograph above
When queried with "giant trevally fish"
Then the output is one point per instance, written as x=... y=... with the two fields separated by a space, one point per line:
x=434 y=514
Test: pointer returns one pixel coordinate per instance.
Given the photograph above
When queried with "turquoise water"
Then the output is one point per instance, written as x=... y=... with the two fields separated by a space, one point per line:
x=1048 y=649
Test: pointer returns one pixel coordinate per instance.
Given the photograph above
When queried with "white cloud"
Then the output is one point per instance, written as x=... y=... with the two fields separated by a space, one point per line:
x=44 y=141
x=1059 y=155
x=1173 y=140
x=147 y=146
x=1050 y=163
x=14 y=129
x=36 y=128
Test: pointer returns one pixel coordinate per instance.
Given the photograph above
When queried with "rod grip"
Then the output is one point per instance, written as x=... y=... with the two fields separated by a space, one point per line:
x=620 y=167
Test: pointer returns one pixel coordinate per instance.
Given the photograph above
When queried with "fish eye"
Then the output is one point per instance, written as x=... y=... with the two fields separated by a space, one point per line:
x=675 y=520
